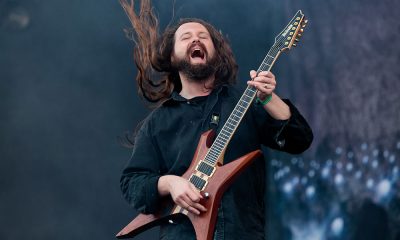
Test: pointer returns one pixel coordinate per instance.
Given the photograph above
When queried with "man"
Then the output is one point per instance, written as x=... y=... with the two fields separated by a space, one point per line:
x=197 y=72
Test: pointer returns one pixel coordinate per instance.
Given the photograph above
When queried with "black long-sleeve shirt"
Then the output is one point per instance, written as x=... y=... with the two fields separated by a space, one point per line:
x=168 y=138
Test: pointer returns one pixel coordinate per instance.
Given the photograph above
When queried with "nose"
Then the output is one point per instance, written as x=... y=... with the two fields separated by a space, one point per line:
x=196 y=40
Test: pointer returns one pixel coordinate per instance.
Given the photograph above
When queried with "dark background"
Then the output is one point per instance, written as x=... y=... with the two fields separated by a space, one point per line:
x=67 y=92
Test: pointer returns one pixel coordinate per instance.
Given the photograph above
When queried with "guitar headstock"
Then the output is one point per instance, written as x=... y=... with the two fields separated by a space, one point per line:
x=291 y=34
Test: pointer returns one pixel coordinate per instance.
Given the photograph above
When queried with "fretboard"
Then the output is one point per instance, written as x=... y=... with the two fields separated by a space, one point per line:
x=222 y=140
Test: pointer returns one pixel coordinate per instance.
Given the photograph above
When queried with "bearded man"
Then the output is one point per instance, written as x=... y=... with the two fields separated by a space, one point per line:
x=195 y=81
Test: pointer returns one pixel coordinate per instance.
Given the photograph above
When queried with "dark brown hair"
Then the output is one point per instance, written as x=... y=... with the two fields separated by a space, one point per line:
x=156 y=78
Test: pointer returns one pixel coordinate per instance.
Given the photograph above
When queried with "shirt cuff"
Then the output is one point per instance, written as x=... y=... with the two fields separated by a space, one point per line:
x=152 y=195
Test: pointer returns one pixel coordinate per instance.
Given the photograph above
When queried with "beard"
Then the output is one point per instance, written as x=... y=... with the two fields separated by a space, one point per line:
x=196 y=72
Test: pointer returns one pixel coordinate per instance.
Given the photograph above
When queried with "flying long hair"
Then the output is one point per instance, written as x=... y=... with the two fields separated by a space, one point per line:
x=156 y=78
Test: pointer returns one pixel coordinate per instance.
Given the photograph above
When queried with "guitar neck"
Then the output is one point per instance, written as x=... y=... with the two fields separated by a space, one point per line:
x=222 y=140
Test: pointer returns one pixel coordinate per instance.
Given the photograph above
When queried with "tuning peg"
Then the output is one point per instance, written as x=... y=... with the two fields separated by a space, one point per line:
x=305 y=21
x=301 y=30
x=297 y=40
x=299 y=35
x=294 y=44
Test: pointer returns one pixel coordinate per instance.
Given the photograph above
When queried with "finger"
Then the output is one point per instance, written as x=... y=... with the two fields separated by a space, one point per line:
x=253 y=74
x=194 y=194
x=262 y=87
x=266 y=74
x=200 y=207
x=264 y=80
x=186 y=203
x=258 y=85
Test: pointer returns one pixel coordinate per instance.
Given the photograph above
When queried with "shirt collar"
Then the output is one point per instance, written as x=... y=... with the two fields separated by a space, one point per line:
x=175 y=97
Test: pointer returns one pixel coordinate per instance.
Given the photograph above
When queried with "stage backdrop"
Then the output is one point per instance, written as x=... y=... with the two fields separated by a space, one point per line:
x=67 y=92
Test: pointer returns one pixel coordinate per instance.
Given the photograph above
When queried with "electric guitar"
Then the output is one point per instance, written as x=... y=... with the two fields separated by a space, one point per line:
x=206 y=171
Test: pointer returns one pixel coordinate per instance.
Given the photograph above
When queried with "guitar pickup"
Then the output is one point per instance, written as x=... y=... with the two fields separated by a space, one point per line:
x=205 y=168
x=198 y=182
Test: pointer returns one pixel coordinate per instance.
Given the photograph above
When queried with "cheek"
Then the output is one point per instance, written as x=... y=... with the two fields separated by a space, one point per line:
x=179 y=50
x=211 y=50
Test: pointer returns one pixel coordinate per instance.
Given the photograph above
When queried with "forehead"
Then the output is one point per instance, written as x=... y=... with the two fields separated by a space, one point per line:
x=190 y=27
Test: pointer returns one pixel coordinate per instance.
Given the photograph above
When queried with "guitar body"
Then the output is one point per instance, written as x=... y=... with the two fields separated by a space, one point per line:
x=204 y=223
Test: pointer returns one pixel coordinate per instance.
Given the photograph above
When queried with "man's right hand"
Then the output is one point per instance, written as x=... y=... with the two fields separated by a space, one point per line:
x=183 y=193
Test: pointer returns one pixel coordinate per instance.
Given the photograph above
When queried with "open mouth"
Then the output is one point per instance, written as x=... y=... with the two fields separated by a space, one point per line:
x=197 y=53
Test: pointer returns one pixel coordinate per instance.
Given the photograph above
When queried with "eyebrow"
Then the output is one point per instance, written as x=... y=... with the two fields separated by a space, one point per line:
x=190 y=33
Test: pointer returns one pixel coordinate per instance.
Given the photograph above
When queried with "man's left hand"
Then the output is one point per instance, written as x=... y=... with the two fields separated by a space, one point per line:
x=264 y=82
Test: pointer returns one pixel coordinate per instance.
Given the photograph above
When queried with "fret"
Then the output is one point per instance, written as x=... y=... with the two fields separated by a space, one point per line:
x=214 y=152
x=212 y=161
x=248 y=96
x=241 y=107
x=226 y=132
x=221 y=142
x=233 y=122
x=249 y=93
x=235 y=118
x=229 y=127
x=238 y=111
x=224 y=135
x=215 y=155
x=218 y=146
x=250 y=90
x=269 y=57
x=215 y=149
x=265 y=64
x=248 y=99
x=244 y=103
x=208 y=160
x=240 y=103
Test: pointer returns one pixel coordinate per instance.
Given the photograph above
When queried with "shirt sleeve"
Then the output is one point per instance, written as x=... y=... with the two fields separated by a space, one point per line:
x=293 y=135
x=139 y=179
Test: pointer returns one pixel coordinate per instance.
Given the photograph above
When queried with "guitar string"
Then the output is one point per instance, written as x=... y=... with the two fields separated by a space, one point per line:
x=274 y=50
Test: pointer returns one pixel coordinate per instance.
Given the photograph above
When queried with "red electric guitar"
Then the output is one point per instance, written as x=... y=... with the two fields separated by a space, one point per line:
x=206 y=171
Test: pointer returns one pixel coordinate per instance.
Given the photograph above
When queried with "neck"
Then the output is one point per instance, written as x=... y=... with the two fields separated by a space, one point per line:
x=194 y=88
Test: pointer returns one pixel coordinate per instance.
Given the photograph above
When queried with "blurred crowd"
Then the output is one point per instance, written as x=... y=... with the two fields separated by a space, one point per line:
x=346 y=193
